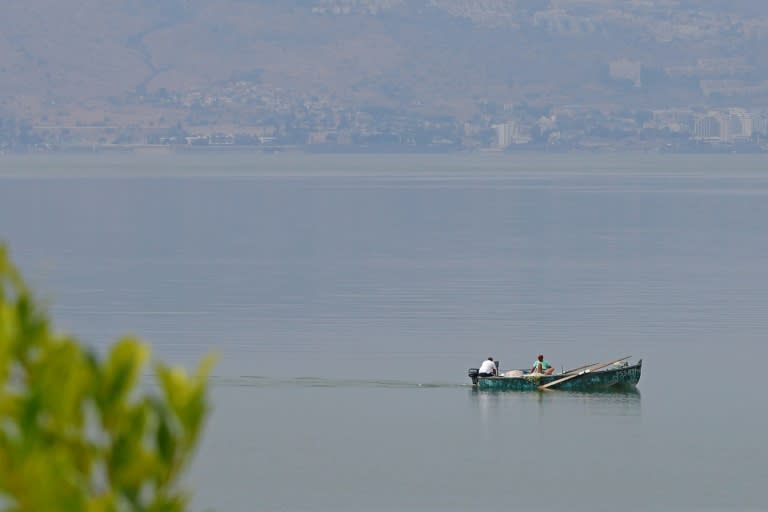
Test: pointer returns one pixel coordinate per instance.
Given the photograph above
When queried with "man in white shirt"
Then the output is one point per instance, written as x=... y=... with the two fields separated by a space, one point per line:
x=488 y=368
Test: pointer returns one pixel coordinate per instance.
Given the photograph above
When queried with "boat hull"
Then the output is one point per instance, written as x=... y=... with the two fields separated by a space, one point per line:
x=612 y=378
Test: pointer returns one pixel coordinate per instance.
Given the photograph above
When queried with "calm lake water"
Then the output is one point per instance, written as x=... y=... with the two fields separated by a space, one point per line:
x=348 y=295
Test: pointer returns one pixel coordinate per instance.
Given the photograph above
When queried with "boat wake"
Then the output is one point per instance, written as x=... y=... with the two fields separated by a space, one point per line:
x=320 y=382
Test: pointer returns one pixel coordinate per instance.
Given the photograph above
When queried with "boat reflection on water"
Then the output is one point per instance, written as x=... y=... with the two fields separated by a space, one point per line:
x=617 y=402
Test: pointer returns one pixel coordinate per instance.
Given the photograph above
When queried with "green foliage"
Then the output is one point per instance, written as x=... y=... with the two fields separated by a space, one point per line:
x=77 y=431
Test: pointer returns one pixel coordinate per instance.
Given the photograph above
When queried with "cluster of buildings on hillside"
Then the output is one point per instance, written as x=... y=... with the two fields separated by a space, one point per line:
x=563 y=128
x=683 y=128
x=259 y=114
x=732 y=125
x=246 y=114
x=269 y=116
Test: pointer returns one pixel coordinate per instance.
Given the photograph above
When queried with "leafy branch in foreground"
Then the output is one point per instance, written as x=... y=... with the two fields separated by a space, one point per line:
x=77 y=432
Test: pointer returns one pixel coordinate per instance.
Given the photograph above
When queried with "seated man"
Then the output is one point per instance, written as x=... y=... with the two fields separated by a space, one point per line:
x=540 y=365
x=488 y=368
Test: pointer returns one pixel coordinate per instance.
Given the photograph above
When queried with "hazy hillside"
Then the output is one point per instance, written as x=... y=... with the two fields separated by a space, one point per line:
x=428 y=56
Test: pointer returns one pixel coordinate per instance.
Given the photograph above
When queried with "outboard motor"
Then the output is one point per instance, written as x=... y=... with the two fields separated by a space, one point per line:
x=474 y=373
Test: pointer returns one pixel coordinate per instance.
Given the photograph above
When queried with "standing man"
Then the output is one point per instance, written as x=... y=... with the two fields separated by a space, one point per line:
x=540 y=365
x=487 y=369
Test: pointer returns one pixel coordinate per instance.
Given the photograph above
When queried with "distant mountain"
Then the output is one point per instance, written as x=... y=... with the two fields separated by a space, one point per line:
x=129 y=60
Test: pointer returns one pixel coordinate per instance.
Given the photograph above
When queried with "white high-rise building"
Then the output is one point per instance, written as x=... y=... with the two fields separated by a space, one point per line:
x=505 y=134
x=740 y=124
x=760 y=125
x=707 y=128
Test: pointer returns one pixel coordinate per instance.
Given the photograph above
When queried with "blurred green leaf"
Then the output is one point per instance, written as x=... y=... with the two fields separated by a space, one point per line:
x=77 y=433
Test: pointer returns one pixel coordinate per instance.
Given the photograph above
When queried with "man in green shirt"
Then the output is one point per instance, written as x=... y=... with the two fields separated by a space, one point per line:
x=540 y=365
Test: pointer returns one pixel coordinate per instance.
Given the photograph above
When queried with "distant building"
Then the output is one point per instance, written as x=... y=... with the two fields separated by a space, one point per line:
x=511 y=133
x=505 y=134
x=740 y=125
x=707 y=129
x=760 y=125
x=675 y=120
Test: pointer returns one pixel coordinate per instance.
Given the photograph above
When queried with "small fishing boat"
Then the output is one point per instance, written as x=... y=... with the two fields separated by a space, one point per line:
x=615 y=374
